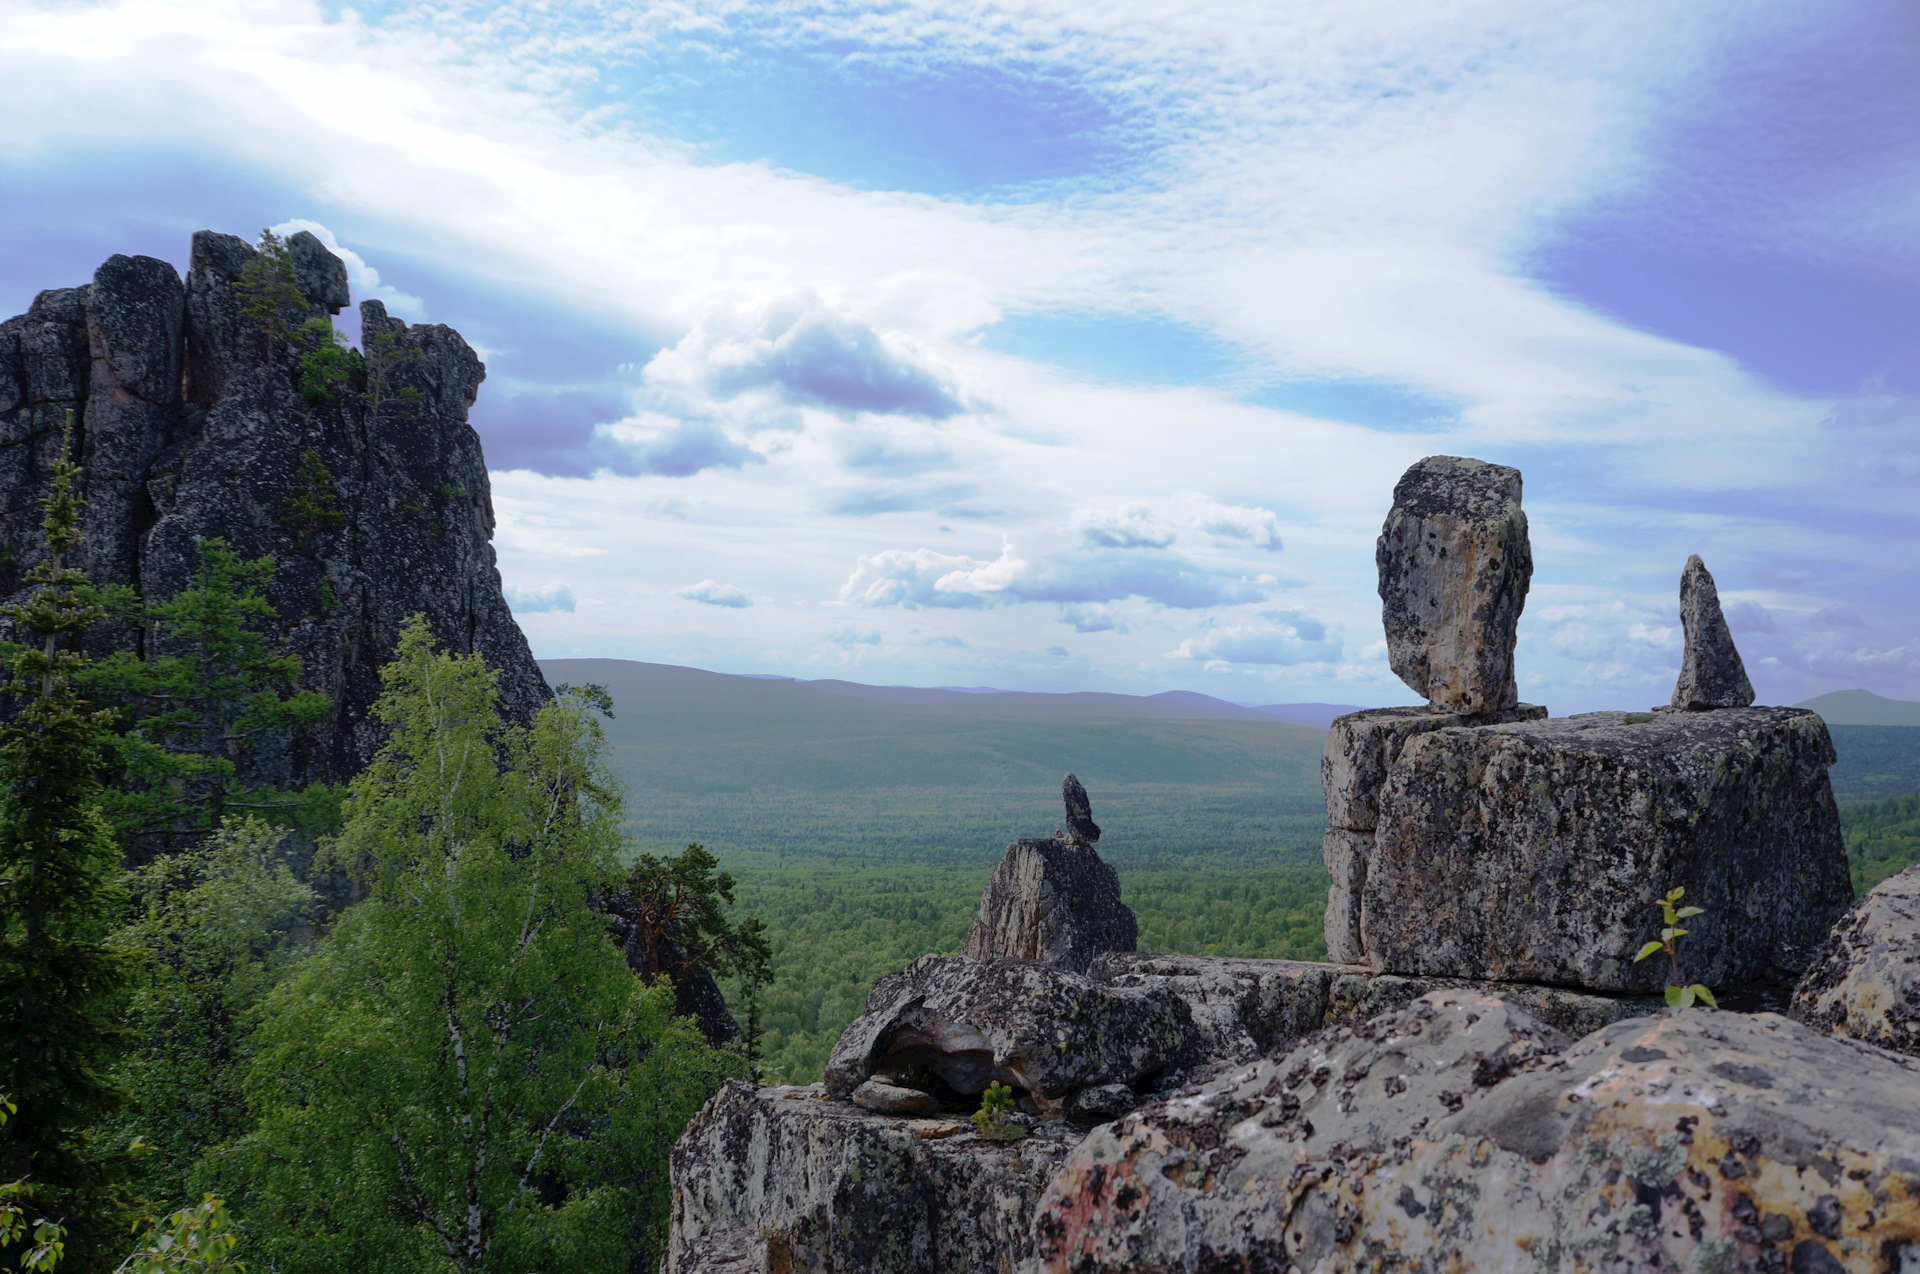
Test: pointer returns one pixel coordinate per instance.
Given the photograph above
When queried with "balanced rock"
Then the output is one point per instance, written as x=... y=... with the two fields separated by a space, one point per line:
x=1865 y=981
x=1537 y=851
x=1461 y=1133
x=1054 y=900
x=1455 y=565
x=1711 y=672
x=1041 y=1030
x=1361 y=748
x=790 y=1179
x=1080 y=829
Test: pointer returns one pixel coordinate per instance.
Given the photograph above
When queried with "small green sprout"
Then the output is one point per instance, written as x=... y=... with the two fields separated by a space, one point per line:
x=991 y=1119
x=1679 y=995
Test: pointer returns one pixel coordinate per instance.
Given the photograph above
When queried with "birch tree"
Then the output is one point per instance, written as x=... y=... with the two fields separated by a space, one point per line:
x=461 y=1077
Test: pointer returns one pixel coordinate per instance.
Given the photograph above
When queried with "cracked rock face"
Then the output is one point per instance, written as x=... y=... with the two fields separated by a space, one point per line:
x=189 y=426
x=1455 y=565
x=788 y=1179
x=1711 y=672
x=1361 y=748
x=1536 y=851
x=1865 y=982
x=1461 y=1133
x=1054 y=900
x=1030 y=1026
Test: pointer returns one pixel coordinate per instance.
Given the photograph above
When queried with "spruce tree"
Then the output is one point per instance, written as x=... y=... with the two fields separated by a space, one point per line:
x=59 y=864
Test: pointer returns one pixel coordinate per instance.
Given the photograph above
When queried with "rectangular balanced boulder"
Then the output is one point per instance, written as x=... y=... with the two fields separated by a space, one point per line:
x=1537 y=851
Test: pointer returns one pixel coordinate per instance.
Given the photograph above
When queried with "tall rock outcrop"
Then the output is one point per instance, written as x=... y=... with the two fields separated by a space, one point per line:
x=371 y=491
x=1054 y=899
x=1712 y=674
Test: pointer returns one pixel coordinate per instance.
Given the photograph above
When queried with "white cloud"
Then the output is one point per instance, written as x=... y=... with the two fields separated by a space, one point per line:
x=713 y=593
x=1283 y=637
x=363 y=281
x=925 y=578
x=545 y=599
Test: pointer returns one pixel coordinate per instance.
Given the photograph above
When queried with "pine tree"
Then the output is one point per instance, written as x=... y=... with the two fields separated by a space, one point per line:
x=59 y=865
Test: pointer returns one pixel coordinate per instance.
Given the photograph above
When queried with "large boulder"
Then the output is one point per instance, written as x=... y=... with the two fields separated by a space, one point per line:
x=1361 y=748
x=1865 y=981
x=1054 y=900
x=1462 y=1133
x=789 y=1179
x=1712 y=674
x=1454 y=570
x=1044 y=1031
x=1537 y=851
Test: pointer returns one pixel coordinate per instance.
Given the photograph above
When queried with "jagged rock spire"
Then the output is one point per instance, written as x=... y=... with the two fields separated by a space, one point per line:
x=1080 y=829
x=1711 y=674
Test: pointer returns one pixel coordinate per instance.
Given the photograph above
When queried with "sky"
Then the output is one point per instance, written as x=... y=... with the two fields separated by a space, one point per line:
x=1058 y=346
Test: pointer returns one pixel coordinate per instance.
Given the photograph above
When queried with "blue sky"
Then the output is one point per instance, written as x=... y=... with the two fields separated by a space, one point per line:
x=1056 y=346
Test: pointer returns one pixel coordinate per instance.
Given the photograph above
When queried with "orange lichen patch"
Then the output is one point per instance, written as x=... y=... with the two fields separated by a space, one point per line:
x=1095 y=1206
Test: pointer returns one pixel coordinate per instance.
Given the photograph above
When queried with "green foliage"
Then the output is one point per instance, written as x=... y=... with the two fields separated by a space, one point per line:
x=1883 y=837
x=1876 y=762
x=41 y=1242
x=313 y=511
x=214 y=928
x=990 y=1121
x=59 y=866
x=1680 y=995
x=201 y=1237
x=465 y=1075
x=191 y=715
x=271 y=302
x=677 y=906
x=327 y=366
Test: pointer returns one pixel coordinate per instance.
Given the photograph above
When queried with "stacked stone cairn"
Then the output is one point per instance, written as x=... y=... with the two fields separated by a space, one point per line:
x=1481 y=1078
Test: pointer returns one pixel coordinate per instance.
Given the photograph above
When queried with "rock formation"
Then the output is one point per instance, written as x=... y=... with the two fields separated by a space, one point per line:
x=191 y=422
x=1461 y=1133
x=1361 y=748
x=1454 y=569
x=1865 y=981
x=1536 y=851
x=788 y=1179
x=1711 y=673
x=1054 y=900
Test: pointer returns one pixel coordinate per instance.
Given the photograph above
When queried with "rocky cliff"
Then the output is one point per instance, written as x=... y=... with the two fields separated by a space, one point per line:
x=201 y=410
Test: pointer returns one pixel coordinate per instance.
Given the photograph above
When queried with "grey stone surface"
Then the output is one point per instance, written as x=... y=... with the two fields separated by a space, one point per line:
x=1361 y=748
x=321 y=276
x=1711 y=672
x=892 y=1099
x=1536 y=851
x=188 y=427
x=790 y=1180
x=1043 y=1030
x=1454 y=570
x=1461 y=1133
x=1054 y=899
x=1080 y=828
x=1865 y=981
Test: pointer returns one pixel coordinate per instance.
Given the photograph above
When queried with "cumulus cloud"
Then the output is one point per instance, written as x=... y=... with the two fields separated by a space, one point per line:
x=533 y=601
x=656 y=444
x=713 y=593
x=1134 y=527
x=925 y=578
x=1140 y=526
x=851 y=636
x=1285 y=637
x=805 y=352
x=1092 y=619
x=363 y=281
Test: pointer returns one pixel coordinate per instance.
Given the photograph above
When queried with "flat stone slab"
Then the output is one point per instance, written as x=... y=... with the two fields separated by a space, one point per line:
x=791 y=1179
x=1536 y=851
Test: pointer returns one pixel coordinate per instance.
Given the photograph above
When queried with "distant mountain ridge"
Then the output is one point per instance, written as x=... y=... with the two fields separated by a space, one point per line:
x=665 y=684
x=1863 y=707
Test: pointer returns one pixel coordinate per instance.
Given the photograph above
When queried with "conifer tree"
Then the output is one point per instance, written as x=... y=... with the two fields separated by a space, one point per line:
x=59 y=866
